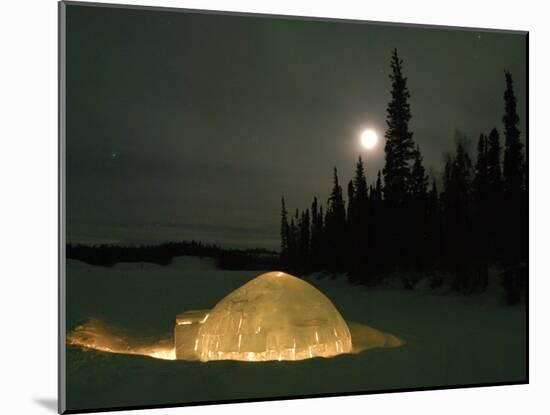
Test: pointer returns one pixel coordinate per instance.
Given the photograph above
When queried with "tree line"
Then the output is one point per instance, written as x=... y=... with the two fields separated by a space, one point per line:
x=401 y=222
x=108 y=255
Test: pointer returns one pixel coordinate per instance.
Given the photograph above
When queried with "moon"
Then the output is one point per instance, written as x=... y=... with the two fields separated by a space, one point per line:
x=369 y=139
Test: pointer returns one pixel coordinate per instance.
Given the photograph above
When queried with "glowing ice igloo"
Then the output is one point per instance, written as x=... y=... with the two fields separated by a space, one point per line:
x=273 y=317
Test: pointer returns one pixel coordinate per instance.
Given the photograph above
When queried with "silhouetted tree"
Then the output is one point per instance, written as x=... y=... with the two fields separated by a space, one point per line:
x=399 y=144
x=360 y=185
x=481 y=171
x=351 y=201
x=316 y=235
x=434 y=232
x=417 y=214
x=515 y=223
x=494 y=195
x=285 y=234
x=456 y=198
x=481 y=215
x=399 y=148
x=378 y=187
x=418 y=178
x=335 y=225
x=513 y=168
x=358 y=232
x=377 y=251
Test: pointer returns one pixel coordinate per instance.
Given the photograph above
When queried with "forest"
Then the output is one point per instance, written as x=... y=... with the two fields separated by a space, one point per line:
x=453 y=228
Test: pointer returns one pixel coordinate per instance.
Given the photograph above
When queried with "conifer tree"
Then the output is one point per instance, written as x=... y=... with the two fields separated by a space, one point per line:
x=292 y=244
x=418 y=179
x=351 y=201
x=515 y=198
x=494 y=171
x=358 y=233
x=481 y=174
x=360 y=185
x=336 y=209
x=457 y=210
x=494 y=196
x=322 y=228
x=316 y=234
x=296 y=233
x=378 y=187
x=435 y=239
x=417 y=210
x=481 y=216
x=335 y=224
x=513 y=168
x=399 y=140
x=399 y=149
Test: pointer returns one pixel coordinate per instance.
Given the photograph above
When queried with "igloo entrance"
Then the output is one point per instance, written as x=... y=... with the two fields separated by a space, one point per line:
x=273 y=317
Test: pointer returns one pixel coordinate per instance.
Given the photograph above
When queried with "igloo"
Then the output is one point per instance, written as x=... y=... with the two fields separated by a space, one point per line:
x=275 y=316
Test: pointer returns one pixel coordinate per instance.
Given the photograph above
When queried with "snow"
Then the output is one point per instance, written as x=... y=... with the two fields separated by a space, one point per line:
x=448 y=339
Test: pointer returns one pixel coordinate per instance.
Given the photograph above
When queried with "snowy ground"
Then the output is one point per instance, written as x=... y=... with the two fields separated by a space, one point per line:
x=450 y=339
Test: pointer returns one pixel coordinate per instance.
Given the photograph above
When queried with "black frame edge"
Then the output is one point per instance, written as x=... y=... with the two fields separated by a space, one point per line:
x=61 y=103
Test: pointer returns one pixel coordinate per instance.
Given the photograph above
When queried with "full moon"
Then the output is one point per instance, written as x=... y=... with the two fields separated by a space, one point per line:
x=369 y=139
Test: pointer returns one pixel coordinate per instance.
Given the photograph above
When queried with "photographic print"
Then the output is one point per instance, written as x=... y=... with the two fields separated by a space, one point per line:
x=260 y=207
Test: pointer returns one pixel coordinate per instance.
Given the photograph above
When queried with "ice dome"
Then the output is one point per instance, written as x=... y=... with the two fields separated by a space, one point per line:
x=275 y=316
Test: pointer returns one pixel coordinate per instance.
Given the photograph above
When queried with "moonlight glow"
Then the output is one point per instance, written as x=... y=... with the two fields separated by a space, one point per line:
x=369 y=139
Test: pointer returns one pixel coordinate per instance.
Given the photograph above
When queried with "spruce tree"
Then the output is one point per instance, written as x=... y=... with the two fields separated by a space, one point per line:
x=481 y=174
x=316 y=234
x=351 y=201
x=336 y=207
x=418 y=212
x=457 y=206
x=376 y=227
x=481 y=216
x=358 y=233
x=399 y=149
x=322 y=228
x=335 y=224
x=513 y=168
x=494 y=196
x=515 y=198
x=378 y=187
x=418 y=178
x=399 y=144
x=292 y=244
x=360 y=185
x=494 y=171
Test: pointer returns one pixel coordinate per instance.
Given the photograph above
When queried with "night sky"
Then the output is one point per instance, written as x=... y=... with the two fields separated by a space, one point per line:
x=192 y=126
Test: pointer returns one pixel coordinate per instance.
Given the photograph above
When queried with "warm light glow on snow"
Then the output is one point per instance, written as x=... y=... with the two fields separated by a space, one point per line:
x=369 y=139
x=95 y=335
x=165 y=354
